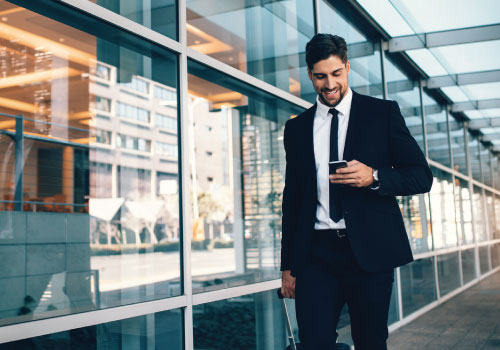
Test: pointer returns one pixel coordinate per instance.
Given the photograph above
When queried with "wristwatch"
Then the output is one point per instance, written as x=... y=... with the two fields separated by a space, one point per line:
x=375 y=184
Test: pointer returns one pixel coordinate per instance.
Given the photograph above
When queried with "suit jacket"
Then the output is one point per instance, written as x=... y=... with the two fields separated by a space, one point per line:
x=378 y=137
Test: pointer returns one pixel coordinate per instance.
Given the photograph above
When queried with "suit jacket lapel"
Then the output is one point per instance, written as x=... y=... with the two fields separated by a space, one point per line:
x=351 y=128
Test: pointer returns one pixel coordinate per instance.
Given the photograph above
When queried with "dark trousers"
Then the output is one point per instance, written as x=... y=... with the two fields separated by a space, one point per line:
x=332 y=278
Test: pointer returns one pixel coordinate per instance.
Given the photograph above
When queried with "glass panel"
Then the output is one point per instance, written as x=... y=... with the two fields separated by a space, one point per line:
x=468 y=265
x=485 y=165
x=458 y=147
x=89 y=229
x=365 y=76
x=495 y=255
x=496 y=234
x=475 y=161
x=484 y=260
x=442 y=207
x=238 y=173
x=162 y=330
x=463 y=210
x=479 y=214
x=427 y=62
x=437 y=131
x=456 y=58
x=407 y=95
x=256 y=321
x=394 y=307
x=449 y=272
x=387 y=16
x=418 y=285
x=484 y=91
x=495 y=172
x=417 y=222
x=159 y=15
x=264 y=39
x=490 y=213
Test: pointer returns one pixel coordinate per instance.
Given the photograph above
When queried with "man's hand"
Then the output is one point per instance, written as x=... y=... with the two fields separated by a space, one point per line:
x=356 y=175
x=287 y=284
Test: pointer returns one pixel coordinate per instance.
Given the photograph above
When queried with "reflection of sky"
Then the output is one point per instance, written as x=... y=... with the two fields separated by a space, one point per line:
x=332 y=23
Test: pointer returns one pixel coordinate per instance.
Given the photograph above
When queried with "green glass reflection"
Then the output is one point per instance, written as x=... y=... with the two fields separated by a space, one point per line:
x=159 y=15
x=264 y=39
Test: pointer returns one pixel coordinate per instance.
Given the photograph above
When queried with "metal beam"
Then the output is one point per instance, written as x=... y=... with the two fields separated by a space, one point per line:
x=463 y=79
x=444 y=38
x=480 y=104
x=485 y=123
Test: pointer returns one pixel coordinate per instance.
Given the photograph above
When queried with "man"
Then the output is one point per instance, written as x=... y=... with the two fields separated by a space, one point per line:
x=343 y=233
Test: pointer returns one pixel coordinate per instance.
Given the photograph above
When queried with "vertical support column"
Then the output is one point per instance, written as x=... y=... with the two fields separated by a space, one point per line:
x=19 y=163
x=184 y=179
x=317 y=17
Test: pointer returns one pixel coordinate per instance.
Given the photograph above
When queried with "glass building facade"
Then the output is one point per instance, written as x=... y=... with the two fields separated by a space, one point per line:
x=142 y=168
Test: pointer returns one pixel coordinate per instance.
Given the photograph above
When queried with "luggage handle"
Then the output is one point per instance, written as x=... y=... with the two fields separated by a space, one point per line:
x=288 y=324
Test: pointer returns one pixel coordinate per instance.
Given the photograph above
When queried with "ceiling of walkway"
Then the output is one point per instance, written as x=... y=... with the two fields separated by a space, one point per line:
x=456 y=45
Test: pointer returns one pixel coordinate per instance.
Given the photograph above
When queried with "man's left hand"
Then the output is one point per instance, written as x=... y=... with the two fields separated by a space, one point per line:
x=356 y=174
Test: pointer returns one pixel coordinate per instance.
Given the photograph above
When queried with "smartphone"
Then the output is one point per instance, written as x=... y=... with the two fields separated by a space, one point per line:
x=337 y=165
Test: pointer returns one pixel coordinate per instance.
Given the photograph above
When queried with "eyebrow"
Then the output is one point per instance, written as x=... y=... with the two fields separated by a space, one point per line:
x=335 y=71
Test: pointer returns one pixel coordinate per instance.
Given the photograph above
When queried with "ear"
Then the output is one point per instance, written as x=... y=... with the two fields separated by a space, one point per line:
x=348 y=66
x=309 y=73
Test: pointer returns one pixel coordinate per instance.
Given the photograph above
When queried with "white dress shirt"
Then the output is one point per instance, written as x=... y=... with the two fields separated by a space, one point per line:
x=321 y=137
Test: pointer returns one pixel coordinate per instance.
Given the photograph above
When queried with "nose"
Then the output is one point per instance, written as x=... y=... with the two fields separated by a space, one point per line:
x=330 y=82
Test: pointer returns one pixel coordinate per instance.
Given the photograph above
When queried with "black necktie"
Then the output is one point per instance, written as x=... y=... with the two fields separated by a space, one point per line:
x=335 y=205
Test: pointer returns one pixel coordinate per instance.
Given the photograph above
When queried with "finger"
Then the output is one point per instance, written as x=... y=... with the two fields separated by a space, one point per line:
x=352 y=162
x=346 y=181
x=349 y=169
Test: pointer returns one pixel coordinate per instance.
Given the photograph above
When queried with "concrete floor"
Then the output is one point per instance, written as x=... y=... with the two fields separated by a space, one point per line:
x=468 y=321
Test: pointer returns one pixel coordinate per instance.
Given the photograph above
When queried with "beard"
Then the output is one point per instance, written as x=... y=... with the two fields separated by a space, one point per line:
x=335 y=103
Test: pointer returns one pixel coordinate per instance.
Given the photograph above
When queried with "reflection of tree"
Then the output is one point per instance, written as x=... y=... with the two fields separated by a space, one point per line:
x=208 y=207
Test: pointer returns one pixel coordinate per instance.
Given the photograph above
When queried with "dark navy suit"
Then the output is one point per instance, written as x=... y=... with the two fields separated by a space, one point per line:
x=377 y=241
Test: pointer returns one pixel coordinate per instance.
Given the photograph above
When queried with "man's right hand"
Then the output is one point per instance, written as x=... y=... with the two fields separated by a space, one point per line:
x=287 y=284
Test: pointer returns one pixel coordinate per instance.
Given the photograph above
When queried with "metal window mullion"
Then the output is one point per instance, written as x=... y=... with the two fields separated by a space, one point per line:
x=400 y=293
x=19 y=163
x=422 y=113
x=317 y=17
x=184 y=140
x=383 y=47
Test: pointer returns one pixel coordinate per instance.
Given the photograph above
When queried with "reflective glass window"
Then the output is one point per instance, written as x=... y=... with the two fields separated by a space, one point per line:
x=254 y=321
x=84 y=220
x=484 y=259
x=162 y=330
x=490 y=214
x=442 y=205
x=264 y=39
x=485 y=154
x=407 y=94
x=496 y=233
x=495 y=168
x=463 y=210
x=468 y=265
x=437 y=131
x=479 y=212
x=495 y=255
x=457 y=138
x=159 y=15
x=448 y=267
x=417 y=222
x=237 y=174
x=366 y=75
x=418 y=285
x=475 y=160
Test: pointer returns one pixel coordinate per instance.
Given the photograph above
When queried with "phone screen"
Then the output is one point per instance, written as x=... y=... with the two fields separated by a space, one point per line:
x=337 y=165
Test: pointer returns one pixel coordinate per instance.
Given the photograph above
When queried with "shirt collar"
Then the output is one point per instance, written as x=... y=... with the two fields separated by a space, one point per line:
x=343 y=107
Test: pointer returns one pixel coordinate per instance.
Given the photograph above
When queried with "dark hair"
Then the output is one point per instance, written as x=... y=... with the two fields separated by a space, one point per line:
x=322 y=46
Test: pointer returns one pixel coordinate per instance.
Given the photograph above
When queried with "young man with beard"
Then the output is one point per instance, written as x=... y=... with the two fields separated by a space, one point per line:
x=343 y=233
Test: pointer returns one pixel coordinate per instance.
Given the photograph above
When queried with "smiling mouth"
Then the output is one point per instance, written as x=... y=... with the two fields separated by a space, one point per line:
x=331 y=93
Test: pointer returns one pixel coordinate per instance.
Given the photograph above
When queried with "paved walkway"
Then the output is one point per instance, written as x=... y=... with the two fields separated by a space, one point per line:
x=468 y=321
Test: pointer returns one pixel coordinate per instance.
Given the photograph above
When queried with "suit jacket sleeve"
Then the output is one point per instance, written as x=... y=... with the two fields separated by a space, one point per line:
x=290 y=201
x=410 y=173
